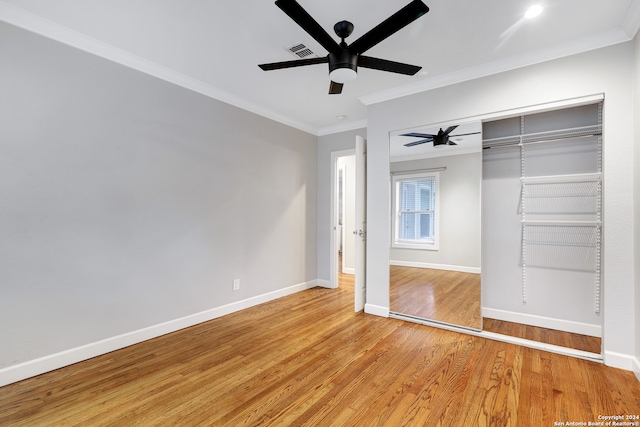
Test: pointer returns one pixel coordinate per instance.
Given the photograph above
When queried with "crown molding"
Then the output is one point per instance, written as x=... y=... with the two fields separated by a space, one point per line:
x=631 y=23
x=584 y=44
x=28 y=21
x=343 y=127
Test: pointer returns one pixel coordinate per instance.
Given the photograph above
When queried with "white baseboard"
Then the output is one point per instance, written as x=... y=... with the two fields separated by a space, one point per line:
x=325 y=284
x=376 y=310
x=31 y=368
x=619 y=360
x=636 y=367
x=460 y=268
x=543 y=322
x=348 y=270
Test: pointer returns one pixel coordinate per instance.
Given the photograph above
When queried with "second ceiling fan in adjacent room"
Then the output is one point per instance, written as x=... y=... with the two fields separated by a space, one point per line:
x=441 y=138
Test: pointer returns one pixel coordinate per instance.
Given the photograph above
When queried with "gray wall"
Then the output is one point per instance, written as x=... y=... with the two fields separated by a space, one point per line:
x=608 y=71
x=459 y=211
x=127 y=201
x=326 y=145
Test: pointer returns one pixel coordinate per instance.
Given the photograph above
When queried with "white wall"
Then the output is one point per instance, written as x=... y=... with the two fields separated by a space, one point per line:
x=128 y=202
x=636 y=115
x=459 y=243
x=328 y=144
x=558 y=294
x=609 y=71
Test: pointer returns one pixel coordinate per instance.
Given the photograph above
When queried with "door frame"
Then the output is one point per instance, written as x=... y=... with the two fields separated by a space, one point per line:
x=359 y=281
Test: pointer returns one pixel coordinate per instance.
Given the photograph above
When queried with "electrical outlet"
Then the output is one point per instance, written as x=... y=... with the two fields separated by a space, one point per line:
x=236 y=284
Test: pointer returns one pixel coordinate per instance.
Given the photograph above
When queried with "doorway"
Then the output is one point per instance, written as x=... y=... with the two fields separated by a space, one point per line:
x=348 y=193
x=342 y=218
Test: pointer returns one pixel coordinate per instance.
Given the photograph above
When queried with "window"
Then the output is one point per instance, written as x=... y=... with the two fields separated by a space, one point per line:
x=415 y=211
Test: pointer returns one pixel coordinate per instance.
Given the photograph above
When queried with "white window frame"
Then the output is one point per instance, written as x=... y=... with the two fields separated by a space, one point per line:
x=395 y=214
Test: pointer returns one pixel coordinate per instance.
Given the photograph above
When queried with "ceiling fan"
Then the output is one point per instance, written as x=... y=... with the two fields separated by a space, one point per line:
x=441 y=138
x=344 y=59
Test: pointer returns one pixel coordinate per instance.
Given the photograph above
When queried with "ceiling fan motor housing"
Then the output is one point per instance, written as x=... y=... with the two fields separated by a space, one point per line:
x=441 y=140
x=343 y=59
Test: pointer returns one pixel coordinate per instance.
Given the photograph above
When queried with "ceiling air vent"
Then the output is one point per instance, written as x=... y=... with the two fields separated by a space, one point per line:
x=299 y=50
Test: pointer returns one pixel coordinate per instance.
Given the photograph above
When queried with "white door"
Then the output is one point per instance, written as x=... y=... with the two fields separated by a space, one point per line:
x=360 y=232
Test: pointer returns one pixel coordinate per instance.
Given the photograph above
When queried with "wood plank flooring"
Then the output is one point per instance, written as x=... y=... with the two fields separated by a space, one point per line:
x=454 y=297
x=446 y=296
x=547 y=336
x=308 y=360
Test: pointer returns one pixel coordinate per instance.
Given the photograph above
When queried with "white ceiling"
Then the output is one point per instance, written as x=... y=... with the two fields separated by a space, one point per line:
x=215 y=46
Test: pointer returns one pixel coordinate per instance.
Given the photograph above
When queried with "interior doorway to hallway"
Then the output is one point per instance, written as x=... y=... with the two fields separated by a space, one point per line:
x=342 y=244
x=348 y=199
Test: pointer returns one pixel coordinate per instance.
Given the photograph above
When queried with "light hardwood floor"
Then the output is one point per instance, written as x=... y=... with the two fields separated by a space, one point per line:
x=307 y=359
x=547 y=336
x=446 y=296
x=454 y=297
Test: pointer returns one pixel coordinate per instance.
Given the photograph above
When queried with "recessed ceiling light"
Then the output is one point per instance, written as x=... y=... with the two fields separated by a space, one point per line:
x=533 y=11
x=341 y=117
x=424 y=73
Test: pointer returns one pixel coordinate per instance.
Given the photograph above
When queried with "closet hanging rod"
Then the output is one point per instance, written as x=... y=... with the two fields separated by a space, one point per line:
x=562 y=179
x=538 y=137
x=561 y=223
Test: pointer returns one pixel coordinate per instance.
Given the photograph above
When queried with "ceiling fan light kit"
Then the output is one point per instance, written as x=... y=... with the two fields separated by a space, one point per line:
x=343 y=75
x=344 y=59
x=343 y=66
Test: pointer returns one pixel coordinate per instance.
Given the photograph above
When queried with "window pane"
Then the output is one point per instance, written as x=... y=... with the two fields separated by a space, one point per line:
x=416 y=226
x=426 y=226
x=416 y=213
x=417 y=195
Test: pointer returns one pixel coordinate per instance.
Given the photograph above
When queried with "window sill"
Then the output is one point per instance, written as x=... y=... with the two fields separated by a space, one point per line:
x=419 y=246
